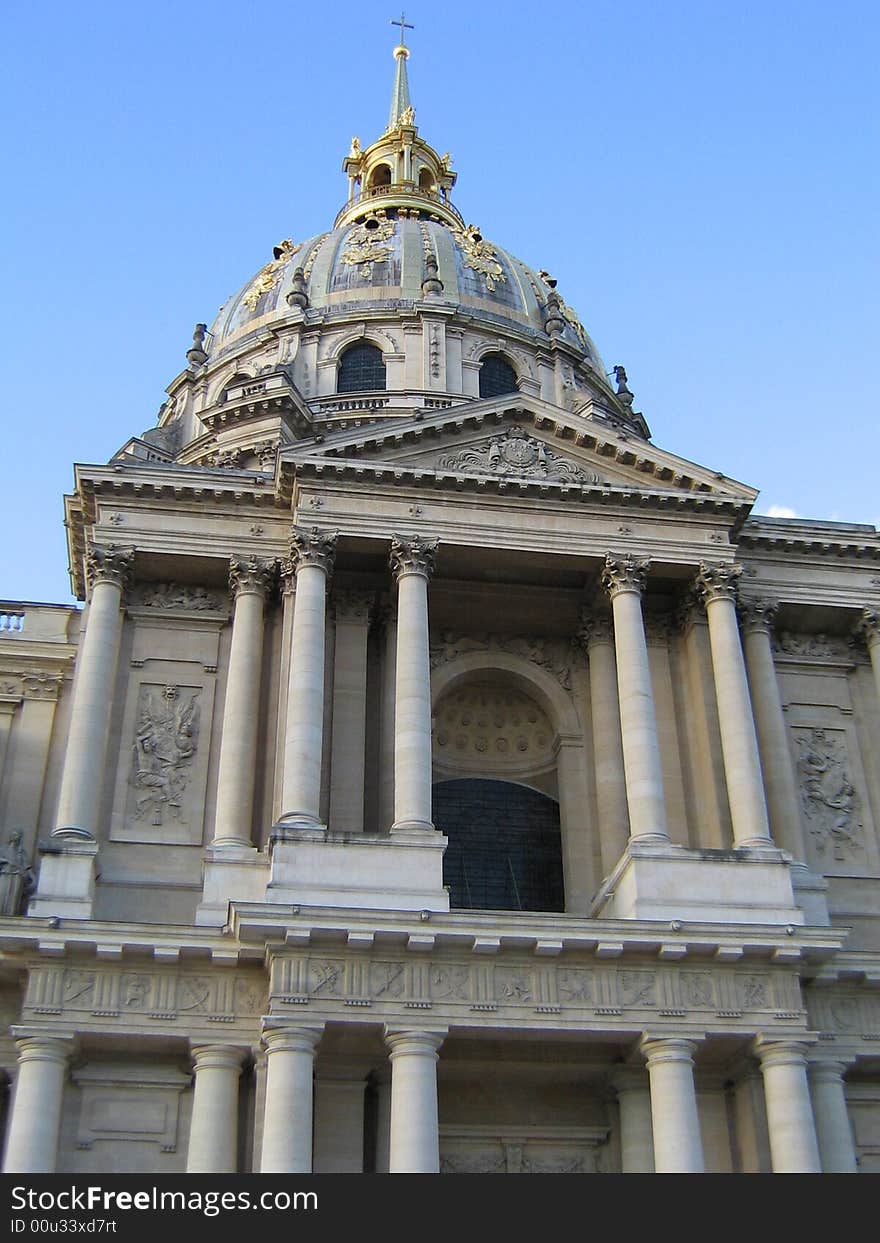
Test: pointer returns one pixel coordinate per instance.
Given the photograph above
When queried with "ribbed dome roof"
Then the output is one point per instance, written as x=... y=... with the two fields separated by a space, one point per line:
x=380 y=262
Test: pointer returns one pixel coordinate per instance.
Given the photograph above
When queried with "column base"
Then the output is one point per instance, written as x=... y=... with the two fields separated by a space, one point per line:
x=292 y=823
x=72 y=833
x=66 y=883
x=671 y=882
x=231 y=872
x=413 y=826
x=361 y=871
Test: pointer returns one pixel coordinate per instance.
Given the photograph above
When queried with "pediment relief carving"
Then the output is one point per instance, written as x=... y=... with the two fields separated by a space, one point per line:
x=522 y=443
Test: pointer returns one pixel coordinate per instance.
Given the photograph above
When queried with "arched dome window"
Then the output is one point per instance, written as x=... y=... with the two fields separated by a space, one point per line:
x=497 y=376
x=426 y=181
x=361 y=369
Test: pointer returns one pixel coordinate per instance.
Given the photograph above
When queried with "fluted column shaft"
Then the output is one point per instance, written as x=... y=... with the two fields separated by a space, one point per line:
x=674 y=1118
x=636 y=1138
x=311 y=560
x=213 y=1133
x=32 y=1143
x=249 y=580
x=415 y=1136
x=597 y=636
x=833 y=1129
x=739 y=743
x=793 y=1146
x=624 y=579
x=287 y=1121
x=86 y=747
x=783 y=803
x=412 y=562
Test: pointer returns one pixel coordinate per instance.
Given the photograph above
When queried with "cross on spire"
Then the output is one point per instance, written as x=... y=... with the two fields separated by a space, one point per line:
x=404 y=26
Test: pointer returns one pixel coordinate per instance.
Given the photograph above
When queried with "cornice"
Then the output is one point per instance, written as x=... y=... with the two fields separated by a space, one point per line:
x=458 y=481
x=544 y=935
x=859 y=541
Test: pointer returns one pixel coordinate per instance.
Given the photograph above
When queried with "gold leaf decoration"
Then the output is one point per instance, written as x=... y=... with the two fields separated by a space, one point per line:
x=269 y=276
x=366 y=243
x=479 y=256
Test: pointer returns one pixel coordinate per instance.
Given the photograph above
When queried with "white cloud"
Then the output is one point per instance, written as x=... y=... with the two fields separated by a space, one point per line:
x=781 y=511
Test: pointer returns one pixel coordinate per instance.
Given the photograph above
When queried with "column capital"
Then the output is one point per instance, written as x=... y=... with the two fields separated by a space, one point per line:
x=299 y=1039
x=718 y=582
x=218 y=1056
x=34 y=1046
x=625 y=573
x=823 y=1069
x=757 y=614
x=868 y=626
x=109 y=563
x=351 y=605
x=784 y=1052
x=594 y=626
x=310 y=546
x=250 y=576
x=403 y=1040
x=412 y=554
x=657 y=1049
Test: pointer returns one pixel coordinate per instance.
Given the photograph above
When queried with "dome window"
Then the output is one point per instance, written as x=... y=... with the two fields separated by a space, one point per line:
x=426 y=181
x=497 y=377
x=361 y=369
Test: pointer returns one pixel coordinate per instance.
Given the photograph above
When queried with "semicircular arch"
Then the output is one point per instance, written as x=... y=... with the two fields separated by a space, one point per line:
x=527 y=676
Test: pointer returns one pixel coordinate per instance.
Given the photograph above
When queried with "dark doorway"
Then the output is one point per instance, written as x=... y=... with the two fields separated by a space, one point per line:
x=505 y=848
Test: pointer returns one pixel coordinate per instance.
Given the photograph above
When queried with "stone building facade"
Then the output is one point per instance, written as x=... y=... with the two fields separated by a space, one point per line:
x=440 y=775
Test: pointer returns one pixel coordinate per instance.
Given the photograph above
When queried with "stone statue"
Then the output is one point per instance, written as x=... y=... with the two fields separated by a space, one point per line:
x=446 y=161
x=16 y=876
x=355 y=153
x=623 y=390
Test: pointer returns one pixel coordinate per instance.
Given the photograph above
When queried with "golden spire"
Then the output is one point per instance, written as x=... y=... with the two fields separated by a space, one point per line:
x=400 y=100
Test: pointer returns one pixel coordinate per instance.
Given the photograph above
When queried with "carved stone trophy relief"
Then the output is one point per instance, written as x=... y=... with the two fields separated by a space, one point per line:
x=164 y=747
x=831 y=805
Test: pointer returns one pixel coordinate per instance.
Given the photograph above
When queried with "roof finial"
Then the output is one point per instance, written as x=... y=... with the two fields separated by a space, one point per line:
x=400 y=101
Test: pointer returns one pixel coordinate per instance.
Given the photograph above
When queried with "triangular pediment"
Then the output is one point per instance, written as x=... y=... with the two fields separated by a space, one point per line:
x=512 y=442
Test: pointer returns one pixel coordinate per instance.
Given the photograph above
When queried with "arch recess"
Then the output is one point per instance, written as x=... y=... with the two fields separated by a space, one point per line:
x=530 y=678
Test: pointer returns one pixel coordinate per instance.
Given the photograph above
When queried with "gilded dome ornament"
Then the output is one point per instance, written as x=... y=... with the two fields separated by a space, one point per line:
x=366 y=244
x=479 y=256
x=269 y=276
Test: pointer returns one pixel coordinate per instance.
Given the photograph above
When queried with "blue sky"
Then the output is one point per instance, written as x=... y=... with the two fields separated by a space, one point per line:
x=702 y=179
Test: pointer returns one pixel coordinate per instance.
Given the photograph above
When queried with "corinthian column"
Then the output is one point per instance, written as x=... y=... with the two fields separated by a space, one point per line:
x=869 y=628
x=783 y=803
x=311 y=560
x=412 y=563
x=596 y=635
x=624 y=579
x=739 y=744
x=249 y=580
x=108 y=571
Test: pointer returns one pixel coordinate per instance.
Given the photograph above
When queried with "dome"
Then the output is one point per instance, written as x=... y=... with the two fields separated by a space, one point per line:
x=400 y=307
x=378 y=262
